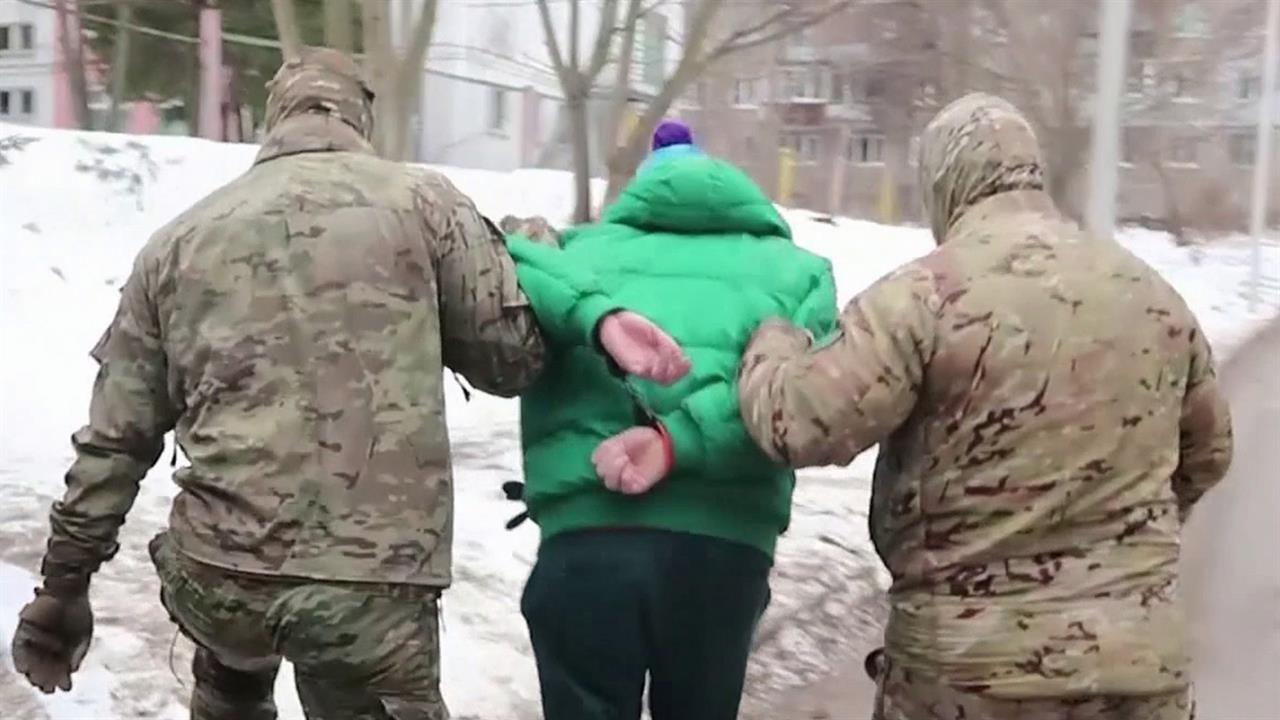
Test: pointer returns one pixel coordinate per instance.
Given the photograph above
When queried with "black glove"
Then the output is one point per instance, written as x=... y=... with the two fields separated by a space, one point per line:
x=53 y=635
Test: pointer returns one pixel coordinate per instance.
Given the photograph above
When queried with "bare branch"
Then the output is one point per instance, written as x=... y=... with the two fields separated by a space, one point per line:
x=575 y=31
x=743 y=39
x=604 y=38
x=553 y=45
x=286 y=16
x=338 y=24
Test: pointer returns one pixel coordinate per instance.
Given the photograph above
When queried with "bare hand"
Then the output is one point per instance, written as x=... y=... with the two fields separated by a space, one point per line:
x=633 y=461
x=642 y=349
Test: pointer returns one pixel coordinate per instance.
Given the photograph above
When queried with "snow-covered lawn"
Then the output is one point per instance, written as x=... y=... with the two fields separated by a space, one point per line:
x=75 y=207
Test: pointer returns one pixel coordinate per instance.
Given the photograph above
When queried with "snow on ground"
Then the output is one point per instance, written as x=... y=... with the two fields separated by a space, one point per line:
x=75 y=207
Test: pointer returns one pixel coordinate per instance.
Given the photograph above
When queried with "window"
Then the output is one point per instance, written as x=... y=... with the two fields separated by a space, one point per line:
x=696 y=96
x=810 y=148
x=1179 y=85
x=15 y=37
x=1142 y=76
x=1243 y=147
x=865 y=149
x=745 y=91
x=1128 y=146
x=874 y=89
x=17 y=102
x=1182 y=151
x=811 y=83
x=800 y=39
x=497 y=110
x=839 y=85
x=1191 y=21
x=806 y=146
x=1248 y=87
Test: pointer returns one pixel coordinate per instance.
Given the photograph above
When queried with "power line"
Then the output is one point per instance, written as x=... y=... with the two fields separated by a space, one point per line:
x=266 y=43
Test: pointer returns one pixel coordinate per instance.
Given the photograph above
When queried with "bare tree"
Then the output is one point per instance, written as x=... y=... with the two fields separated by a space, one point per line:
x=338 y=25
x=396 y=75
x=701 y=49
x=286 y=16
x=577 y=78
x=72 y=45
x=120 y=63
x=1040 y=54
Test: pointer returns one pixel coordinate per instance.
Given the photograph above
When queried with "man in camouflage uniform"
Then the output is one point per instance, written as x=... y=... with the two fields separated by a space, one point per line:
x=292 y=327
x=1047 y=415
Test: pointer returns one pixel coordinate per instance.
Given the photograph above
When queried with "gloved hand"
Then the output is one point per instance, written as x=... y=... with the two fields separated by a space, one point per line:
x=634 y=460
x=641 y=348
x=52 y=637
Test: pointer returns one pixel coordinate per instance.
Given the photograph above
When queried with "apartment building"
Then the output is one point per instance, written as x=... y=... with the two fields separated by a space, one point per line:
x=847 y=98
x=27 y=57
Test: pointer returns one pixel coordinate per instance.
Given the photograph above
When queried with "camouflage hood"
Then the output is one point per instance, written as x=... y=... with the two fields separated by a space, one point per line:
x=976 y=147
x=316 y=102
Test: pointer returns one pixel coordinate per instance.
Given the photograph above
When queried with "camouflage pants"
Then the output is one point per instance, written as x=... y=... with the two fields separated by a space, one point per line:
x=360 y=652
x=900 y=696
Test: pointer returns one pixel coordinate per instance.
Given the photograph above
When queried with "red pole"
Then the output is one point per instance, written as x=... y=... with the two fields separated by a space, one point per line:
x=211 y=78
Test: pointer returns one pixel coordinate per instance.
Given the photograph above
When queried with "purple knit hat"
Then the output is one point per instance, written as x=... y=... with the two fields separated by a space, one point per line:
x=671 y=132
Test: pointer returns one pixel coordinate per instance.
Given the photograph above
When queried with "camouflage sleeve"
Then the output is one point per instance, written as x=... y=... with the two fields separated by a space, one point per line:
x=810 y=404
x=488 y=330
x=1205 y=440
x=129 y=414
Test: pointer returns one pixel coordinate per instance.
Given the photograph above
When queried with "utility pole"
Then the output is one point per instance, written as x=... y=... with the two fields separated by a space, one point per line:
x=1262 y=161
x=1103 y=169
x=211 y=77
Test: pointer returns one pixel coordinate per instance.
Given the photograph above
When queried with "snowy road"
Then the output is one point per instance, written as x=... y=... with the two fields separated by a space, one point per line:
x=1230 y=553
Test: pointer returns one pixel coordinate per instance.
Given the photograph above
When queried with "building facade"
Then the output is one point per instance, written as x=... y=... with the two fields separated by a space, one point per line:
x=829 y=118
x=491 y=97
x=28 y=53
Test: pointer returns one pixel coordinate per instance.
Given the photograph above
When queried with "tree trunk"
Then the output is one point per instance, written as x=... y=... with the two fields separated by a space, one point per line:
x=408 y=82
x=338 y=25
x=580 y=141
x=286 y=17
x=624 y=160
x=379 y=60
x=72 y=42
x=120 y=64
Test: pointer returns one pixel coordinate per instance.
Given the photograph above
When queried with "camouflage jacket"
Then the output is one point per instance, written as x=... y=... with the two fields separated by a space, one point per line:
x=292 y=327
x=1047 y=412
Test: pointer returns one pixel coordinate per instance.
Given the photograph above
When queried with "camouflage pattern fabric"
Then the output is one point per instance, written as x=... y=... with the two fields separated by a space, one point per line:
x=292 y=327
x=535 y=228
x=360 y=651
x=1047 y=414
x=903 y=695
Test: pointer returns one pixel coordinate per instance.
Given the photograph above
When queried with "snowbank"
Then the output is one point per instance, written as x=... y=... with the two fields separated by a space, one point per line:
x=74 y=209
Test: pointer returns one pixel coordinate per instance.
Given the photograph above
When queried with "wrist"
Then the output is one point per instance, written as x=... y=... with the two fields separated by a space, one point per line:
x=668 y=448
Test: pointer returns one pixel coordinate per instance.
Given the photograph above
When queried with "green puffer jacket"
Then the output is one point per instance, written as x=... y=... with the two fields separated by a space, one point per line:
x=695 y=246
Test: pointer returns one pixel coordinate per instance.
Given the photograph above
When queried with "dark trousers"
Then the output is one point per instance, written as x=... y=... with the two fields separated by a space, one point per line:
x=607 y=607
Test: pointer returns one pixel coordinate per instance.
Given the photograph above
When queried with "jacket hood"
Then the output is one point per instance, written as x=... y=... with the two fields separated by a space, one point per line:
x=976 y=147
x=319 y=100
x=693 y=193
